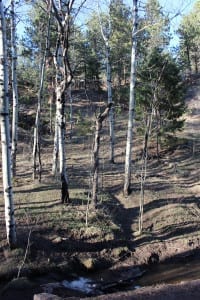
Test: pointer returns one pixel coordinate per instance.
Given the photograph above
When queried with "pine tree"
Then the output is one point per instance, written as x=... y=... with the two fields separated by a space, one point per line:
x=189 y=33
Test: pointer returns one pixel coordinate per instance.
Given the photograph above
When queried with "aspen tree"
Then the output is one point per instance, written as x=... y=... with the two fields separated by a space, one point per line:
x=14 y=89
x=106 y=37
x=128 y=157
x=5 y=135
x=36 y=135
x=63 y=81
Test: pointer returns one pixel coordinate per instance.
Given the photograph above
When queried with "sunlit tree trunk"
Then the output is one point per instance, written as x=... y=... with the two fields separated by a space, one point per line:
x=36 y=135
x=14 y=89
x=63 y=81
x=5 y=135
x=128 y=157
x=56 y=146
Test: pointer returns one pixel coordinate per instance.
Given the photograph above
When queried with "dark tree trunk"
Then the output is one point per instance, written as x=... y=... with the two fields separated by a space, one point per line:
x=95 y=168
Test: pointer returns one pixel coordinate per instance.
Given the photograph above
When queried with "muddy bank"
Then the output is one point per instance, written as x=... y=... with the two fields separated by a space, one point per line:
x=184 y=291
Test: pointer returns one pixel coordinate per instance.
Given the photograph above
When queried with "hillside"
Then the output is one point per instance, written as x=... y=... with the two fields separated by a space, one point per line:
x=59 y=239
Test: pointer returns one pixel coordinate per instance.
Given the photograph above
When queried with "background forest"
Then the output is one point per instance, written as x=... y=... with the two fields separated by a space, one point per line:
x=97 y=141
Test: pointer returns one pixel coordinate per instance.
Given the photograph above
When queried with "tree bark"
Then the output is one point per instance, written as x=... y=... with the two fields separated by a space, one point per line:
x=128 y=158
x=5 y=136
x=144 y=168
x=14 y=89
x=95 y=156
x=111 y=112
x=55 y=147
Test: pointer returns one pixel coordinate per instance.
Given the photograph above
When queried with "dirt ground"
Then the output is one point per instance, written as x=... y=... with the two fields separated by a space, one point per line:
x=73 y=240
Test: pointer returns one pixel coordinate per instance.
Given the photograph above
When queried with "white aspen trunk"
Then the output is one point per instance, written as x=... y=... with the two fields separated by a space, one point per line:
x=14 y=89
x=5 y=136
x=56 y=146
x=36 y=135
x=61 y=145
x=128 y=157
x=63 y=81
x=50 y=114
x=106 y=38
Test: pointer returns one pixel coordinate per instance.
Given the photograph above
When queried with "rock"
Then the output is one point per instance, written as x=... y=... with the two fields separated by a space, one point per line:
x=88 y=263
x=57 y=240
x=46 y=296
x=120 y=252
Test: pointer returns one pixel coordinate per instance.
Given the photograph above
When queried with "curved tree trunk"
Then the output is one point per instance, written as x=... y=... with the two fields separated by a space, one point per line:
x=128 y=158
x=5 y=136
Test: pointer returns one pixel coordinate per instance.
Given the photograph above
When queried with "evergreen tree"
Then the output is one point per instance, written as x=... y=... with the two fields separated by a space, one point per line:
x=160 y=86
x=189 y=32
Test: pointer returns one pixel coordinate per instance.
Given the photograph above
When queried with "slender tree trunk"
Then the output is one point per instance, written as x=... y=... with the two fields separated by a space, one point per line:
x=144 y=168
x=70 y=111
x=51 y=114
x=106 y=38
x=61 y=143
x=128 y=158
x=14 y=89
x=111 y=113
x=5 y=136
x=95 y=156
x=55 y=148
x=37 y=135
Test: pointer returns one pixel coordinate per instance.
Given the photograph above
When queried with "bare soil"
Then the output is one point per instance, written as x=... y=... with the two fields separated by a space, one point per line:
x=69 y=239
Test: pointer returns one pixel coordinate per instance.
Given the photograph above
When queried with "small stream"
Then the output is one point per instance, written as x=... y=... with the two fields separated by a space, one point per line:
x=101 y=282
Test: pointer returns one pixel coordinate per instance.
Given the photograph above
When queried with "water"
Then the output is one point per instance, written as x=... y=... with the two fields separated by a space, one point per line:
x=175 y=272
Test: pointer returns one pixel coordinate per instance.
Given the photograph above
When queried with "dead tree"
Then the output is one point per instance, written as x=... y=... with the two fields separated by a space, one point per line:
x=95 y=155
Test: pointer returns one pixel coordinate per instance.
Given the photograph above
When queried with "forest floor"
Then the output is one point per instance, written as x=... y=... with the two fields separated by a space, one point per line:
x=74 y=239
